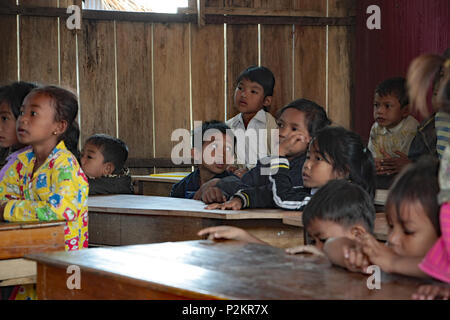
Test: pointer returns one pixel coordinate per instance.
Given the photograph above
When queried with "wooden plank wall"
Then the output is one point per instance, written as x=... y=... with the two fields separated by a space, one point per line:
x=140 y=81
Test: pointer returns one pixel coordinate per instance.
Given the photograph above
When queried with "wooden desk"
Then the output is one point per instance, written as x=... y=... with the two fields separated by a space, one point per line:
x=381 y=228
x=137 y=219
x=19 y=239
x=155 y=185
x=206 y=270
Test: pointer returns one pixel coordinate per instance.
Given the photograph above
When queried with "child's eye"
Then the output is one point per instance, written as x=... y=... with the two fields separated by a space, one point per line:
x=4 y=118
x=21 y=113
x=280 y=125
x=254 y=92
x=323 y=240
x=33 y=113
x=408 y=233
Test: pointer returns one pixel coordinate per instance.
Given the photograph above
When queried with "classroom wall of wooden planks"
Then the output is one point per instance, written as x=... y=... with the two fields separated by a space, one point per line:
x=140 y=81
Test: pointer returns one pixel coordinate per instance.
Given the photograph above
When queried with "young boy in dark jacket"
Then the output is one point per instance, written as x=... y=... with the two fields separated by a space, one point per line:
x=102 y=160
x=300 y=116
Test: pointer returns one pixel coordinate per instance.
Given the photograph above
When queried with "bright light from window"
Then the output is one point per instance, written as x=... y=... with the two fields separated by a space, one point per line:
x=167 y=6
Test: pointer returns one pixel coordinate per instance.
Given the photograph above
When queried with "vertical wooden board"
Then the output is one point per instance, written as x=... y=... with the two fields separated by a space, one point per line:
x=340 y=75
x=341 y=8
x=39 y=49
x=135 y=93
x=171 y=83
x=310 y=64
x=38 y=3
x=68 y=57
x=239 y=3
x=242 y=52
x=214 y=3
x=270 y=4
x=318 y=6
x=8 y=49
x=66 y=3
x=97 y=78
x=208 y=83
x=276 y=54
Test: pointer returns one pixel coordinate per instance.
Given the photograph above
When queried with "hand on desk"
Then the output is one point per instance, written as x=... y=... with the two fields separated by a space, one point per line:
x=391 y=165
x=213 y=195
x=232 y=204
x=208 y=192
x=305 y=249
x=228 y=232
x=432 y=292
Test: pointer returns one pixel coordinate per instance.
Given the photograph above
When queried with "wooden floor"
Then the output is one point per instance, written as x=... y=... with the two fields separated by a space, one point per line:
x=206 y=270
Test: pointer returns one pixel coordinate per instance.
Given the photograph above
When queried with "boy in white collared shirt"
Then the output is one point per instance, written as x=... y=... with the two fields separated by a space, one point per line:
x=394 y=128
x=253 y=94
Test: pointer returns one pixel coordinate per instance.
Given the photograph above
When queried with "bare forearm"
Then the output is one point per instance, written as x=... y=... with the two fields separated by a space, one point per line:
x=408 y=266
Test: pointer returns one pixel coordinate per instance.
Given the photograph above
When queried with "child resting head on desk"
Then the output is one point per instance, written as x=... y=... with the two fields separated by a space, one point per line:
x=412 y=213
x=102 y=159
x=46 y=183
x=338 y=209
x=213 y=157
x=334 y=153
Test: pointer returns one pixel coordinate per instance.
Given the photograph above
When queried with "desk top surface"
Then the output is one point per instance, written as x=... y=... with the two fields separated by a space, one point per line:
x=5 y=226
x=152 y=205
x=228 y=270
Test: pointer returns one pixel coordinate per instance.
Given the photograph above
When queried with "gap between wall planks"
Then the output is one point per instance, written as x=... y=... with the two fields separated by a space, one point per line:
x=171 y=72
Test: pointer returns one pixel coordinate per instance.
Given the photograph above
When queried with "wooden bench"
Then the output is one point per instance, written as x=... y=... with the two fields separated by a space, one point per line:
x=205 y=269
x=19 y=239
x=136 y=219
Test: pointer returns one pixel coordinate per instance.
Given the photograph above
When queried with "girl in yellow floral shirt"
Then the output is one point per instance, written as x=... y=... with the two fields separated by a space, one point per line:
x=46 y=183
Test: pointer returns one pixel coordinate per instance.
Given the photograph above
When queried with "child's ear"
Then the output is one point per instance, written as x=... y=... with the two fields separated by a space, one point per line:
x=61 y=127
x=267 y=101
x=357 y=231
x=108 y=168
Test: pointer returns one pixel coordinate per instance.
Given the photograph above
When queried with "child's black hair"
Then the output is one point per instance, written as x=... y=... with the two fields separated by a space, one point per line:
x=315 y=115
x=395 y=87
x=260 y=75
x=65 y=103
x=345 y=151
x=212 y=125
x=14 y=93
x=417 y=182
x=113 y=150
x=342 y=202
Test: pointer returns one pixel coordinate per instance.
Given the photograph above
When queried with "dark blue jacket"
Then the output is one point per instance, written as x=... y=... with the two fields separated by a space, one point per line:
x=187 y=187
x=259 y=186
